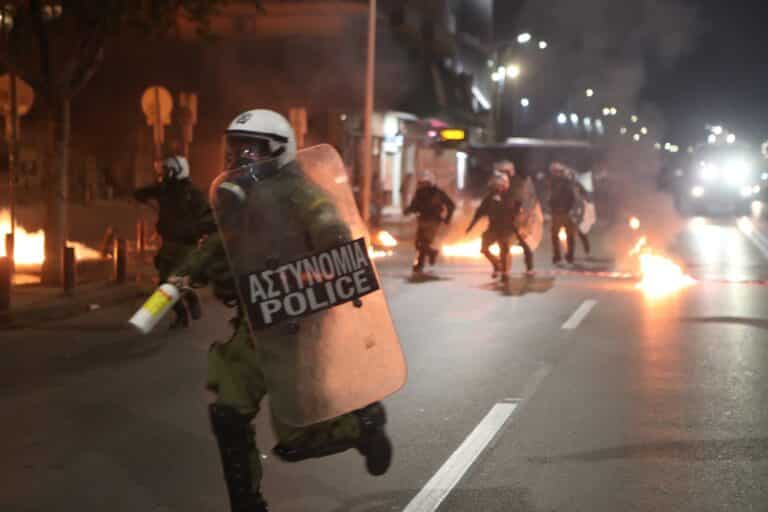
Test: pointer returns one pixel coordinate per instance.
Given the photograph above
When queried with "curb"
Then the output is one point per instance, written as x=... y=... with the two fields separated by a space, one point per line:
x=63 y=307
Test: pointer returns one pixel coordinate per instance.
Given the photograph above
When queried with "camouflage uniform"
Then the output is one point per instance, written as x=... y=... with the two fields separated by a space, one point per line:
x=235 y=367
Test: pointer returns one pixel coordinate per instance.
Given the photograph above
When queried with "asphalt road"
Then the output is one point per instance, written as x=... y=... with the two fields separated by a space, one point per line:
x=573 y=391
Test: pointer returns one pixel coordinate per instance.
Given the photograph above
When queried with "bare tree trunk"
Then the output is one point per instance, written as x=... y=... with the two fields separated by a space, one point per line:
x=57 y=227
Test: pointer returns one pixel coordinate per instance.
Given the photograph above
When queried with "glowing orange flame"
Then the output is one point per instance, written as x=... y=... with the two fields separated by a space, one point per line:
x=472 y=248
x=639 y=246
x=634 y=223
x=376 y=254
x=29 y=246
x=659 y=276
x=386 y=239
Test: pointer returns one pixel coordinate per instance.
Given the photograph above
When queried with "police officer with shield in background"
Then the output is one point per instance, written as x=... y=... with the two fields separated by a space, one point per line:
x=502 y=206
x=434 y=208
x=562 y=200
x=324 y=372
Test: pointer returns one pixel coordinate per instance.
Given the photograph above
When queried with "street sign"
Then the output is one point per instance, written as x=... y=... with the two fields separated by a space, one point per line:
x=25 y=95
x=157 y=104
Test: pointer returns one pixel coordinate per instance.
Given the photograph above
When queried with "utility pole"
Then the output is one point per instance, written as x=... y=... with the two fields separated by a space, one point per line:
x=367 y=149
x=14 y=152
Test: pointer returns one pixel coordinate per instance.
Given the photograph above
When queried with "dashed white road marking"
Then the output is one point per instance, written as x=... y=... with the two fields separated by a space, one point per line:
x=451 y=472
x=579 y=315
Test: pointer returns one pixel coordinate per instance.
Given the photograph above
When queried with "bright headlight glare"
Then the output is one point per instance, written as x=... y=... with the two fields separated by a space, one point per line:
x=697 y=191
x=708 y=171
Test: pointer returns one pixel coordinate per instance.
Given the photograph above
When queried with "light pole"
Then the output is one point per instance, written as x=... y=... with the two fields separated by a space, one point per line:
x=367 y=149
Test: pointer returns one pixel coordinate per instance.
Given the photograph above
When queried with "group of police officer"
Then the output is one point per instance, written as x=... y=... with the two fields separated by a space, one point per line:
x=266 y=211
x=505 y=207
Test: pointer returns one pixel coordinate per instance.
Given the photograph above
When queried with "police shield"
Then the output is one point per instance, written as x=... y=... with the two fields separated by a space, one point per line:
x=530 y=220
x=311 y=293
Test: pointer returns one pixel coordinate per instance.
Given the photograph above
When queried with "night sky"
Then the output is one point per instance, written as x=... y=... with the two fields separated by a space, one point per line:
x=725 y=78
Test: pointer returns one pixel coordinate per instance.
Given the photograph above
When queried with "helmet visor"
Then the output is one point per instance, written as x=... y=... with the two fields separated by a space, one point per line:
x=246 y=151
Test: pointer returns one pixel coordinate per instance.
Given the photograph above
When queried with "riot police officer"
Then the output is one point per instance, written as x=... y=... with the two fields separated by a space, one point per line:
x=261 y=153
x=502 y=208
x=562 y=200
x=183 y=217
x=434 y=207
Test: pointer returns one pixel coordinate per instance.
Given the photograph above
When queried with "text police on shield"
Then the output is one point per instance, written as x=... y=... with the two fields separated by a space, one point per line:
x=310 y=284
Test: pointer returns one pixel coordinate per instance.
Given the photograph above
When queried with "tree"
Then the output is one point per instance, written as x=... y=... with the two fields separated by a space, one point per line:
x=57 y=46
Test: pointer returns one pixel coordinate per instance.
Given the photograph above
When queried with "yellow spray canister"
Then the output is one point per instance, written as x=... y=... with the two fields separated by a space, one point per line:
x=155 y=308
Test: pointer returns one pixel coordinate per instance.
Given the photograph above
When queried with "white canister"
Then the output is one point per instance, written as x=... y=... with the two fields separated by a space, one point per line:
x=147 y=317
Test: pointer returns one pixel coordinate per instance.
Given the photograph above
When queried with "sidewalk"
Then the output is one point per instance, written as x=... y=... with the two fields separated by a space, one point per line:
x=33 y=304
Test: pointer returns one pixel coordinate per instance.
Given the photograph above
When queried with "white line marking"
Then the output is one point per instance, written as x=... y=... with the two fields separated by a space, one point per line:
x=442 y=483
x=579 y=315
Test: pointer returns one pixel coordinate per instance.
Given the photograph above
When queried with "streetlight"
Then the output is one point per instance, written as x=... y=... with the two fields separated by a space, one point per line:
x=525 y=102
x=606 y=112
x=634 y=118
x=575 y=119
x=513 y=71
x=614 y=111
x=589 y=93
x=623 y=130
x=524 y=38
x=543 y=45
x=562 y=118
x=644 y=130
x=636 y=137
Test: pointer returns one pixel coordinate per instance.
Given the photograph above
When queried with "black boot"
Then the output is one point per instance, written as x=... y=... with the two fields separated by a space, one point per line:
x=193 y=303
x=235 y=439
x=182 y=317
x=374 y=443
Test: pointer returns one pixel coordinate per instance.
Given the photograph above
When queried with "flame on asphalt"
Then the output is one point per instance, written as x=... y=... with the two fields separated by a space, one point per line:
x=660 y=276
x=385 y=239
x=29 y=246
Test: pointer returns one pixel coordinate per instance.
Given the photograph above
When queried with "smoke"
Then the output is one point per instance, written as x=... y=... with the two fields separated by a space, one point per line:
x=616 y=48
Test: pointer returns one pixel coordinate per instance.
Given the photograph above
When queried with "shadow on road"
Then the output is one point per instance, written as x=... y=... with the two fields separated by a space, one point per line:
x=521 y=285
x=747 y=449
x=425 y=278
x=759 y=323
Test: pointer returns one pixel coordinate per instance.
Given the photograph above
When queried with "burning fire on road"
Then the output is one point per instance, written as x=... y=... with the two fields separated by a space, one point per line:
x=660 y=276
x=29 y=246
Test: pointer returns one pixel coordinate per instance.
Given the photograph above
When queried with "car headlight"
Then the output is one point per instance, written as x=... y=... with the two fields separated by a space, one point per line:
x=697 y=191
x=709 y=171
x=737 y=172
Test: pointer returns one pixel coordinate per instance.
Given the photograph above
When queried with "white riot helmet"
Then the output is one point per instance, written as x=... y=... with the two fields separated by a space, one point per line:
x=173 y=168
x=426 y=178
x=505 y=166
x=260 y=135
